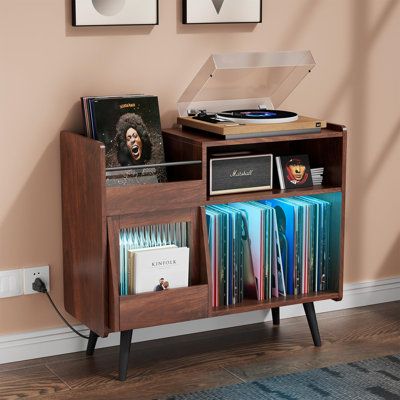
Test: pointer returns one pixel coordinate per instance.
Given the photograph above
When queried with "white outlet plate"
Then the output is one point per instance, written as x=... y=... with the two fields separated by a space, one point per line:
x=30 y=274
x=11 y=283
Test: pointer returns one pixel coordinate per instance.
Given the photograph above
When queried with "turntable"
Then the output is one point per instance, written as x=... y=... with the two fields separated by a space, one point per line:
x=236 y=95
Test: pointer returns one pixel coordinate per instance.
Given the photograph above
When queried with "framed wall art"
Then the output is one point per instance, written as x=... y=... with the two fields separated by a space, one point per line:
x=221 y=11
x=114 y=12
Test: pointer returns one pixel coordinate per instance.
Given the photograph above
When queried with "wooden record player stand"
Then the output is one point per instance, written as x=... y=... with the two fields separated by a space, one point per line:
x=93 y=214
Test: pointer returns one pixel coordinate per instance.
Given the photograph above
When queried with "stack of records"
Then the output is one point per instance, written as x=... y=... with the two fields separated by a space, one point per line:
x=270 y=248
x=130 y=128
x=317 y=175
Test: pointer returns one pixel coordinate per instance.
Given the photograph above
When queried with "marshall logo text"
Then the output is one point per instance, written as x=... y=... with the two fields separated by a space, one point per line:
x=238 y=173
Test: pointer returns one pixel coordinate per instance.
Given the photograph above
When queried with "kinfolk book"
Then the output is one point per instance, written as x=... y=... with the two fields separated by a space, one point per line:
x=159 y=269
x=294 y=171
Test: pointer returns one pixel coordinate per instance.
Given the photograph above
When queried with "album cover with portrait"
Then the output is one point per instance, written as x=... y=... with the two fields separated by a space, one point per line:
x=294 y=171
x=130 y=128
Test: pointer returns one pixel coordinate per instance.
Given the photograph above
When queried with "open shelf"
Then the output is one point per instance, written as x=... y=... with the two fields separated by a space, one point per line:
x=156 y=308
x=252 y=305
x=271 y=194
x=332 y=269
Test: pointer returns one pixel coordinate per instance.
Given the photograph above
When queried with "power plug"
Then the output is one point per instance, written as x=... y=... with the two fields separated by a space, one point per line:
x=39 y=286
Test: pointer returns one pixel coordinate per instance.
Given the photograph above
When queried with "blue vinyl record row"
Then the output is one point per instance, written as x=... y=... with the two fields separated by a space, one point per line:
x=272 y=248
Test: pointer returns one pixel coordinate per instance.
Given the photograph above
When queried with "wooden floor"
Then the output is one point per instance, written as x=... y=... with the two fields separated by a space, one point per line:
x=194 y=362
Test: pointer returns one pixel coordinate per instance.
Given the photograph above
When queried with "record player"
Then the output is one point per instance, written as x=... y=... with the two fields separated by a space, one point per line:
x=237 y=95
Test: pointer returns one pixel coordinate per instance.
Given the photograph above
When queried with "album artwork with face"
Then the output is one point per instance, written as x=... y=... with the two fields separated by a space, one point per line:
x=130 y=128
x=294 y=171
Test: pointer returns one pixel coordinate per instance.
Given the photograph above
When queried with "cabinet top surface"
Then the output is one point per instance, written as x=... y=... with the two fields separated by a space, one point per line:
x=208 y=139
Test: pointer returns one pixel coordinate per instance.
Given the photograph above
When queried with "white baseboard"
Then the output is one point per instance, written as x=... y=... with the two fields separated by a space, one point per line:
x=52 y=342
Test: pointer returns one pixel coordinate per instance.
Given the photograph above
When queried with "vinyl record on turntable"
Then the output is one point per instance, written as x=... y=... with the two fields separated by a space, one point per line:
x=259 y=116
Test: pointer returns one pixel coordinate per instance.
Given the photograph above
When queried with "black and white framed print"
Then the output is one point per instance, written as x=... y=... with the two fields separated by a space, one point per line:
x=114 y=12
x=221 y=11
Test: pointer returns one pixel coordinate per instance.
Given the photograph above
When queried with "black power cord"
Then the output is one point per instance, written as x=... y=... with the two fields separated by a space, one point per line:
x=39 y=286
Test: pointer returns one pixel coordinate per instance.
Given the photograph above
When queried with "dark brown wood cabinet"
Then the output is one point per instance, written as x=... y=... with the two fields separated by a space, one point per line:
x=93 y=214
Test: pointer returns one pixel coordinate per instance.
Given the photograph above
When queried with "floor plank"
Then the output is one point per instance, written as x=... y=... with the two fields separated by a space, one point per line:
x=29 y=383
x=43 y=360
x=153 y=386
x=306 y=359
x=209 y=359
x=346 y=337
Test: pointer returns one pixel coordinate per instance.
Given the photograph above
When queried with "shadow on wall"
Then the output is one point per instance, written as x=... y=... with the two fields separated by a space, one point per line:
x=31 y=230
x=299 y=24
x=372 y=173
x=73 y=122
x=392 y=257
x=355 y=85
x=362 y=179
x=168 y=118
x=36 y=203
x=364 y=39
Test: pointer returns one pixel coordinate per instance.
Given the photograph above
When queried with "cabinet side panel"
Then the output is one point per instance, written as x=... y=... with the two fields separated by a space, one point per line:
x=205 y=254
x=344 y=169
x=84 y=230
x=113 y=228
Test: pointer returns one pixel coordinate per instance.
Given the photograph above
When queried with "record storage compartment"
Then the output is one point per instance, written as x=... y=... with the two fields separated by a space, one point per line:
x=94 y=213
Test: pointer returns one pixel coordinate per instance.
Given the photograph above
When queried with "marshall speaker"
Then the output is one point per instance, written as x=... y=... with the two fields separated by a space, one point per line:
x=237 y=174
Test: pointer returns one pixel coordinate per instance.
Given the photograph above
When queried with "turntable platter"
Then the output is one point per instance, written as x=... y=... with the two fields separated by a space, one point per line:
x=259 y=116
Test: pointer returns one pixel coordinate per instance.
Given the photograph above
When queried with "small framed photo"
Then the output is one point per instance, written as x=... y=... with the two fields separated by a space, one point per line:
x=114 y=12
x=221 y=11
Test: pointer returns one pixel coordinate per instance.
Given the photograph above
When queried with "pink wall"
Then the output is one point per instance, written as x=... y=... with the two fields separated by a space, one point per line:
x=46 y=66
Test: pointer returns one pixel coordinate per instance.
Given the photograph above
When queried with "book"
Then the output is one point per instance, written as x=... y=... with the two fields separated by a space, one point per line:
x=294 y=171
x=130 y=273
x=159 y=269
x=147 y=237
x=130 y=128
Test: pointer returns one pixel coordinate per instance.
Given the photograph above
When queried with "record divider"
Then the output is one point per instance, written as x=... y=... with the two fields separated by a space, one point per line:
x=92 y=222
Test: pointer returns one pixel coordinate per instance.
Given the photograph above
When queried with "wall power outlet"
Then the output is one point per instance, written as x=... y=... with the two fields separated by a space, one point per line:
x=30 y=274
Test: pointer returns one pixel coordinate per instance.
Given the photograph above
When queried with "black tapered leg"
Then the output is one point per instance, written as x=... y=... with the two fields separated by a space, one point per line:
x=124 y=350
x=275 y=316
x=91 y=343
x=312 y=323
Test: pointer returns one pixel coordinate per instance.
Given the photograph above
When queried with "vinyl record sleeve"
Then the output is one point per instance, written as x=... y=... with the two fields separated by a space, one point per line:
x=286 y=220
x=129 y=126
x=256 y=228
x=213 y=239
x=294 y=171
